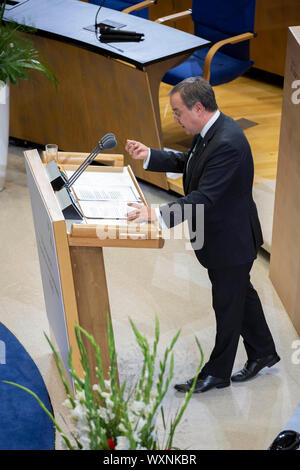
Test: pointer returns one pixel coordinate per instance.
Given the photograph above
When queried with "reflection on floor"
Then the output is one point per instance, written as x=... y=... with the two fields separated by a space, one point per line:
x=144 y=283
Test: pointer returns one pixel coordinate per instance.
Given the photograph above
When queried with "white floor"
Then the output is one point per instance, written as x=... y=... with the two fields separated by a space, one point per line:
x=168 y=283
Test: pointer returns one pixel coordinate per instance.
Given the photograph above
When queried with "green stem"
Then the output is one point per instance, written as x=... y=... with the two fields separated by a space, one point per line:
x=44 y=409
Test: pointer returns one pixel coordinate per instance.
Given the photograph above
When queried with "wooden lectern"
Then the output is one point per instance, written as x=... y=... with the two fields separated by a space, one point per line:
x=71 y=255
x=285 y=254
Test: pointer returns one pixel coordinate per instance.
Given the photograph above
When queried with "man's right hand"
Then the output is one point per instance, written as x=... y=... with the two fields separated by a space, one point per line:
x=137 y=150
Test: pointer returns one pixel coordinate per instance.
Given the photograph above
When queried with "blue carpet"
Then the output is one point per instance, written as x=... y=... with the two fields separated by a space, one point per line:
x=23 y=423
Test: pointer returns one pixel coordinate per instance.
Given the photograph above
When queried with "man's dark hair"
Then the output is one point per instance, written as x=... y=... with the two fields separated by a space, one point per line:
x=196 y=89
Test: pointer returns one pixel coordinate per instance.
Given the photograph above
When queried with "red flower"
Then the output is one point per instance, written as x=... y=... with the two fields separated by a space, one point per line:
x=111 y=443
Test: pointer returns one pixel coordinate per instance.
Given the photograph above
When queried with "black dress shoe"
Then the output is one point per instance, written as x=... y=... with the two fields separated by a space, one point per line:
x=202 y=385
x=252 y=368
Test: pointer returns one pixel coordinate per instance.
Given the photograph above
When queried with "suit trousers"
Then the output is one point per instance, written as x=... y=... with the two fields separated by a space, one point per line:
x=238 y=312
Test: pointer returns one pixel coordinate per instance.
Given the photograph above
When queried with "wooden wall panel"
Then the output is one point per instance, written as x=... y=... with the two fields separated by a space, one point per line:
x=95 y=95
x=272 y=19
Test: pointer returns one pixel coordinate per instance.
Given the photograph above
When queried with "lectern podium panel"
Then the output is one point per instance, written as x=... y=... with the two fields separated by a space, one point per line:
x=285 y=255
x=71 y=251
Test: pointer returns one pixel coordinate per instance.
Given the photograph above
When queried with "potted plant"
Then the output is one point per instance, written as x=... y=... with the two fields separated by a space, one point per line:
x=109 y=416
x=18 y=58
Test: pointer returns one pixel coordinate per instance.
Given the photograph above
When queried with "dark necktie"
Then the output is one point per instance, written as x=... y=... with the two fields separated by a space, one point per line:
x=191 y=161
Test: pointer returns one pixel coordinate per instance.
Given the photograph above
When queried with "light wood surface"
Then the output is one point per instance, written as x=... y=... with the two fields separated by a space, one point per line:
x=76 y=158
x=272 y=19
x=174 y=16
x=92 y=301
x=112 y=233
x=285 y=254
x=167 y=7
x=209 y=56
x=139 y=6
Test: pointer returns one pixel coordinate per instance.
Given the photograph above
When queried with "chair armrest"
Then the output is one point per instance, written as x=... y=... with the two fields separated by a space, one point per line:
x=174 y=16
x=217 y=46
x=139 y=6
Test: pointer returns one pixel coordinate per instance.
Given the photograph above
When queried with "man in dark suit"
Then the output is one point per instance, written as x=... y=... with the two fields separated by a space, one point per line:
x=217 y=174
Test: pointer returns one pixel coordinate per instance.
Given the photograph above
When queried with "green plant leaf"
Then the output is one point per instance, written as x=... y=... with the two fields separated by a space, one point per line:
x=18 y=56
x=68 y=443
x=137 y=419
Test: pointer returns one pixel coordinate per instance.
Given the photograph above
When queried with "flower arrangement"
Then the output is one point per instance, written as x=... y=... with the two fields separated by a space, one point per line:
x=17 y=53
x=110 y=417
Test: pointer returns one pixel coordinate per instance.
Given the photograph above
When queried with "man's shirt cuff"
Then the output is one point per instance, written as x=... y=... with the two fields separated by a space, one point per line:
x=146 y=162
x=160 y=219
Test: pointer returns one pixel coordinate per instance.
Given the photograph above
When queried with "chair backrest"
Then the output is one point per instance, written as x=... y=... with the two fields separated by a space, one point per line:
x=120 y=2
x=121 y=5
x=219 y=19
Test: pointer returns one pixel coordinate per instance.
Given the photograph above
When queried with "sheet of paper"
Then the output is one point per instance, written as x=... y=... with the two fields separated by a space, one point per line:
x=174 y=176
x=105 y=186
x=105 y=209
x=112 y=193
x=104 y=178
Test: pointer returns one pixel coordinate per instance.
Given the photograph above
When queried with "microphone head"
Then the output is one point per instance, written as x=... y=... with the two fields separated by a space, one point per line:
x=108 y=142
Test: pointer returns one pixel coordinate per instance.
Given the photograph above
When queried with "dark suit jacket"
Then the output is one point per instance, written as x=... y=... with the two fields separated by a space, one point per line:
x=219 y=176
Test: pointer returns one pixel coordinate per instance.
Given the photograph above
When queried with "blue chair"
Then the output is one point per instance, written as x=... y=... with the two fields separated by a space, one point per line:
x=226 y=24
x=135 y=7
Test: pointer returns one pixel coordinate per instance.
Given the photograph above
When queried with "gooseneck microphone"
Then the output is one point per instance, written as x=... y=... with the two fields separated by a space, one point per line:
x=61 y=184
x=108 y=142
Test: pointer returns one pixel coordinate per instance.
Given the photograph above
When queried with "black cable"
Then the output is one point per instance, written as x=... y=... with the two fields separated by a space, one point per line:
x=96 y=28
x=96 y=17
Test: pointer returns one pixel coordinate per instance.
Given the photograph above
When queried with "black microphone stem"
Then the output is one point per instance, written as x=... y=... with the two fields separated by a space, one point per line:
x=83 y=166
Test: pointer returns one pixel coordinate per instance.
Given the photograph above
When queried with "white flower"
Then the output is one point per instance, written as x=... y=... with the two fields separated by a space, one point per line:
x=93 y=426
x=122 y=428
x=84 y=441
x=123 y=443
x=67 y=403
x=153 y=393
x=138 y=406
x=140 y=424
x=79 y=412
x=136 y=436
x=107 y=384
x=80 y=396
x=148 y=409
x=133 y=419
x=102 y=412
x=96 y=388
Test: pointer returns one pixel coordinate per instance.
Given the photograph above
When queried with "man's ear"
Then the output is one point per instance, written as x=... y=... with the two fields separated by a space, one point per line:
x=199 y=107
